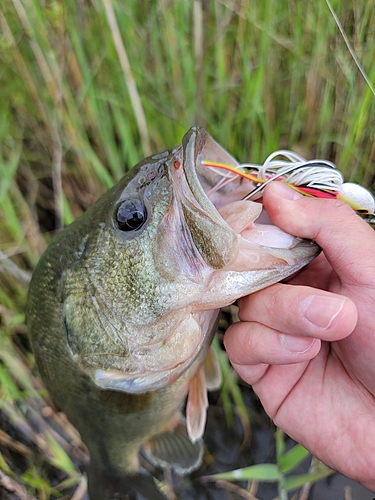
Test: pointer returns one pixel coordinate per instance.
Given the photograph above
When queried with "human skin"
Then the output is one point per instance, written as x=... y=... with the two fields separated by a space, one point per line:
x=308 y=346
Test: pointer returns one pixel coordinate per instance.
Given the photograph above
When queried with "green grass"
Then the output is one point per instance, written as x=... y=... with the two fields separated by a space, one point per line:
x=89 y=88
x=281 y=472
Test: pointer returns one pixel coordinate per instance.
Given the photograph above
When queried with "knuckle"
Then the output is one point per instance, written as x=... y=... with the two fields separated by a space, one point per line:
x=281 y=300
x=338 y=206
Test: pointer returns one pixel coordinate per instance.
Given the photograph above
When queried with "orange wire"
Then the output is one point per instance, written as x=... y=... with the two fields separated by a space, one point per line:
x=250 y=177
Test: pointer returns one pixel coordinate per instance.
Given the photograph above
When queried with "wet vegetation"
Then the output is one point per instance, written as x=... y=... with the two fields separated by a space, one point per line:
x=88 y=88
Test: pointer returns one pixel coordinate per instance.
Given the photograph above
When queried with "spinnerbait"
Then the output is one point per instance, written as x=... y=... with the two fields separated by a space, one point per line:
x=319 y=178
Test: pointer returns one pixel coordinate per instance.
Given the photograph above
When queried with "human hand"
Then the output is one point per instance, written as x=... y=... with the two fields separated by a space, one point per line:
x=308 y=347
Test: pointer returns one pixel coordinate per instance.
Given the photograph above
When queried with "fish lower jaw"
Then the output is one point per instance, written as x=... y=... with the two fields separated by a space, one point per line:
x=264 y=246
x=260 y=245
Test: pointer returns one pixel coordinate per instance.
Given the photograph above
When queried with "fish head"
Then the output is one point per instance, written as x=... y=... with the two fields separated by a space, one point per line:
x=158 y=256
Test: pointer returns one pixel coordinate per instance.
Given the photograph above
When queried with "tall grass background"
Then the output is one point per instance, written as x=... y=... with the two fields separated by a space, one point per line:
x=90 y=87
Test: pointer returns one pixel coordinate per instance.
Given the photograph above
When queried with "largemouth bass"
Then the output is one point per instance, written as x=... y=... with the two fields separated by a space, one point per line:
x=124 y=303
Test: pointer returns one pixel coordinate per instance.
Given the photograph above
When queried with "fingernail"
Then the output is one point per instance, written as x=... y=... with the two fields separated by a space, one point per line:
x=296 y=344
x=322 y=310
x=286 y=192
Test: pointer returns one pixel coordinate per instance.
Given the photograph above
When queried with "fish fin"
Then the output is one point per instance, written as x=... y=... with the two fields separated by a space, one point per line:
x=173 y=449
x=106 y=485
x=212 y=370
x=197 y=404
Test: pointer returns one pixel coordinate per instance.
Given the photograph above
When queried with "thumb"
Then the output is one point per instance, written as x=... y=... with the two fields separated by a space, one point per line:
x=348 y=241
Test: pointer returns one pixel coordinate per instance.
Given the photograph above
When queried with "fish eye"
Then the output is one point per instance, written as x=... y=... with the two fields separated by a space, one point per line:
x=131 y=215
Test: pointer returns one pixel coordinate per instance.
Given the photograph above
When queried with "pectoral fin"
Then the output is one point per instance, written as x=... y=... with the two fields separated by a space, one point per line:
x=212 y=370
x=174 y=449
x=197 y=404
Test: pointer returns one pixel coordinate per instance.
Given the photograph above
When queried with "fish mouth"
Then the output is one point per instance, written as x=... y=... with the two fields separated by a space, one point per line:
x=240 y=234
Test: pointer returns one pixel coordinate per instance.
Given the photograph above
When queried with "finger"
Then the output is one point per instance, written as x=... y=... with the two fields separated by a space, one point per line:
x=254 y=343
x=301 y=311
x=317 y=274
x=331 y=223
x=273 y=383
x=251 y=374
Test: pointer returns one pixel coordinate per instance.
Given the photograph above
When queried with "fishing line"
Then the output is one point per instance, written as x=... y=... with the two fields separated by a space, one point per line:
x=351 y=50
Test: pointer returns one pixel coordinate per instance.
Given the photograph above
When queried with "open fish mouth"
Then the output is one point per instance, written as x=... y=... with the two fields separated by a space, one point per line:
x=258 y=244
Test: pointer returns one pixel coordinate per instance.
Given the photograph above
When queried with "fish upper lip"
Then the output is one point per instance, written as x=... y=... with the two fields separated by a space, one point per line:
x=193 y=143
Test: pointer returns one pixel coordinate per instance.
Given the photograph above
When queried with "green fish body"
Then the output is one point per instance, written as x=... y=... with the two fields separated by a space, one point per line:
x=123 y=307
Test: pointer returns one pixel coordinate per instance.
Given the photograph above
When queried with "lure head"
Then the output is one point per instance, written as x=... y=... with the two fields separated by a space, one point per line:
x=358 y=197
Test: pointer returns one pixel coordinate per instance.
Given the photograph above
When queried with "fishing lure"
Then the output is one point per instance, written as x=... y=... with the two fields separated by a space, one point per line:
x=319 y=178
